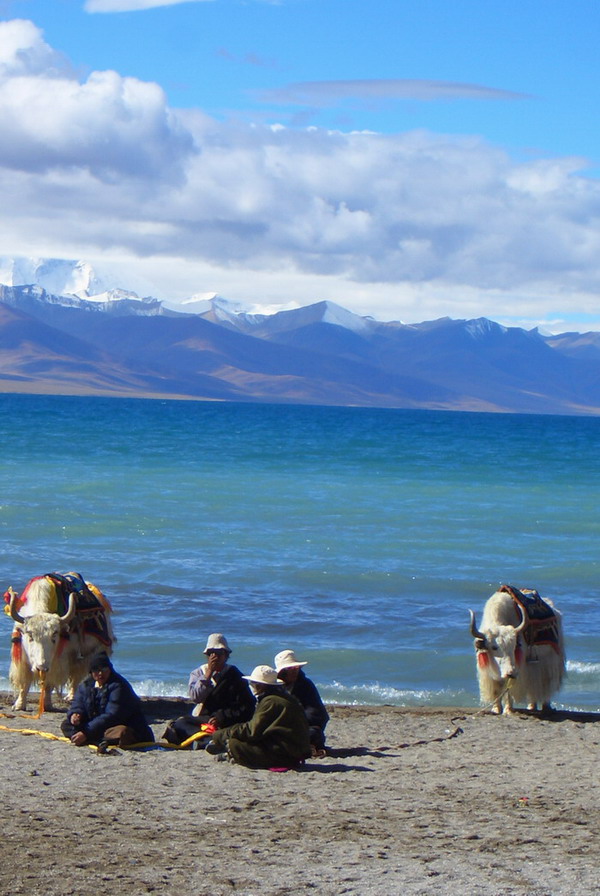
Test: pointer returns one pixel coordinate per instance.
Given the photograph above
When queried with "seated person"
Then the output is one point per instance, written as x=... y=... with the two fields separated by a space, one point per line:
x=106 y=709
x=219 y=691
x=290 y=673
x=277 y=733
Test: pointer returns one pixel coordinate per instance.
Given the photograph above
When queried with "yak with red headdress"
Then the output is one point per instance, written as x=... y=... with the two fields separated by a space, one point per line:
x=520 y=650
x=61 y=622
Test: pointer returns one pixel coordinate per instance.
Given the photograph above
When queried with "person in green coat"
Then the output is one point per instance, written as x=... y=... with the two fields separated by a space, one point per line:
x=277 y=735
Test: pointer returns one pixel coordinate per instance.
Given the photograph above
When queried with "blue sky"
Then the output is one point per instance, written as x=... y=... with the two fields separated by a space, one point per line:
x=406 y=160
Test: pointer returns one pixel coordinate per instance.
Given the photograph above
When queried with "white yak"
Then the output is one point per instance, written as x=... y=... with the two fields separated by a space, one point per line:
x=56 y=649
x=520 y=650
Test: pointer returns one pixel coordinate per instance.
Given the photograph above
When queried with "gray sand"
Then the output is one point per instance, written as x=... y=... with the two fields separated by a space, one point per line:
x=409 y=801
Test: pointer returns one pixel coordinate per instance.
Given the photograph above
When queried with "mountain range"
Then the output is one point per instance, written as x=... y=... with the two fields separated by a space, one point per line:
x=65 y=332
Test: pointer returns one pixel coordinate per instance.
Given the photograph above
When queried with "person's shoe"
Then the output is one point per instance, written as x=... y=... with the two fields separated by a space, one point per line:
x=170 y=736
x=215 y=749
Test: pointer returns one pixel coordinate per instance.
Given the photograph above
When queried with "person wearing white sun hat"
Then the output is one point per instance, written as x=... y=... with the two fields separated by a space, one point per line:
x=290 y=672
x=277 y=734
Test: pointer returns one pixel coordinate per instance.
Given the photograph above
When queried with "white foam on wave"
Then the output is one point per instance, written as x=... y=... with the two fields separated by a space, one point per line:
x=575 y=707
x=582 y=678
x=376 y=694
x=150 y=687
x=146 y=687
x=573 y=666
x=335 y=693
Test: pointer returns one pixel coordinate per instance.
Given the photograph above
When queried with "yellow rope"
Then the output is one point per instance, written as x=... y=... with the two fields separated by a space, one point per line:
x=182 y=746
x=45 y=734
x=67 y=740
x=199 y=735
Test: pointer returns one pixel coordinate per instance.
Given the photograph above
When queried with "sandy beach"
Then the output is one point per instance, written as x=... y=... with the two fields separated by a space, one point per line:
x=408 y=801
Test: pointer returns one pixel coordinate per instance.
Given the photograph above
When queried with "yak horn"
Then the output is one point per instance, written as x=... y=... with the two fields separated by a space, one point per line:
x=524 y=620
x=72 y=609
x=13 y=606
x=474 y=630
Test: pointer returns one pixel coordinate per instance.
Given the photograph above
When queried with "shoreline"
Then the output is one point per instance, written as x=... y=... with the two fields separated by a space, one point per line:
x=429 y=800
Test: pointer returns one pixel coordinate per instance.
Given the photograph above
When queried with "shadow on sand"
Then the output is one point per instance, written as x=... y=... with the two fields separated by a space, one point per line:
x=561 y=715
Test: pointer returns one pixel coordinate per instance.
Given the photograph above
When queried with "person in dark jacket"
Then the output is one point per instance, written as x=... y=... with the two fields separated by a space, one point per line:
x=277 y=734
x=221 y=694
x=106 y=709
x=289 y=671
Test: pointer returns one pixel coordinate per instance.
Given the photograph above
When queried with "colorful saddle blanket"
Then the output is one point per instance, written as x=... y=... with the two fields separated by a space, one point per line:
x=92 y=606
x=542 y=623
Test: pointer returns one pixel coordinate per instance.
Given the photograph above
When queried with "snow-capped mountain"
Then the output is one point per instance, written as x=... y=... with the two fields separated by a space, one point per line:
x=56 y=276
x=76 y=283
x=30 y=283
x=64 y=329
x=63 y=279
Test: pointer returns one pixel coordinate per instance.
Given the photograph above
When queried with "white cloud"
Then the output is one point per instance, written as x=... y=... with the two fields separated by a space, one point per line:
x=23 y=52
x=406 y=226
x=108 y=125
x=131 y=5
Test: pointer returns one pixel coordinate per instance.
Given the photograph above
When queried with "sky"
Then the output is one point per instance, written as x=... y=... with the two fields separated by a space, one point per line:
x=406 y=160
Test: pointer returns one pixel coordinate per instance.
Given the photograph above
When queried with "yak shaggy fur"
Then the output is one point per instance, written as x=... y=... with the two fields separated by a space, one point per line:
x=514 y=666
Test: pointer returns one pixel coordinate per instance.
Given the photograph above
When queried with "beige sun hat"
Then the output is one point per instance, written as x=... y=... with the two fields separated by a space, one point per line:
x=217 y=641
x=263 y=675
x=286 y=659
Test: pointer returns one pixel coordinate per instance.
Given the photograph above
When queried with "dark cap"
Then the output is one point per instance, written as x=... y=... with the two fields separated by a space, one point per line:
x=100 y=661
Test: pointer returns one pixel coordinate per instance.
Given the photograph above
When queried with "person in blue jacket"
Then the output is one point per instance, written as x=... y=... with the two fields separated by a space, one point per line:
x=106 y=710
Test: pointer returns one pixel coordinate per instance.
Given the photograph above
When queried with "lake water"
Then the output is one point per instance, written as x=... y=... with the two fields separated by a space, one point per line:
x=357 y=537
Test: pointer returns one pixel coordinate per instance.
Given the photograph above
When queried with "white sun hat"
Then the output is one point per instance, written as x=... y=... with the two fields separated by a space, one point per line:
x=217 y=641
x=263 y=675
x=286 y=659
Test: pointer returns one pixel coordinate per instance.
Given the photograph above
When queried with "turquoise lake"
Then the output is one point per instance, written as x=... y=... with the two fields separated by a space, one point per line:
x=357 y=537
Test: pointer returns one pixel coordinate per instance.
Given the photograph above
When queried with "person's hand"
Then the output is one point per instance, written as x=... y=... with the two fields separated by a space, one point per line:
x=76 y=719
x=214 y=664
x=213 y=721
x=79 y=739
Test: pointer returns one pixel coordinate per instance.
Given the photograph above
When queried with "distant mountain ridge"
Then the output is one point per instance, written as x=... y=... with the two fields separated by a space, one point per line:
x=98 y=339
